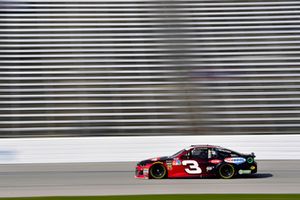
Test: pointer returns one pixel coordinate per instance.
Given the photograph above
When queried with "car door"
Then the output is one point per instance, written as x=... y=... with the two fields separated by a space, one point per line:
x=196 y=165
x=192 y=164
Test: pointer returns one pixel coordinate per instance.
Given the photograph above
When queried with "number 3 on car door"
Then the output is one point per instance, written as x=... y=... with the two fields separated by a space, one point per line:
x=192 y=167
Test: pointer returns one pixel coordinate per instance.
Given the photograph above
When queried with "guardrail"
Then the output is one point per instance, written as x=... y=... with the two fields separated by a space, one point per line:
x=121 y=149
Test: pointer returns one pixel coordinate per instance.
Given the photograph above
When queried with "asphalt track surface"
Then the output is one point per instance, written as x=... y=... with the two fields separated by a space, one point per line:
x=118 y=179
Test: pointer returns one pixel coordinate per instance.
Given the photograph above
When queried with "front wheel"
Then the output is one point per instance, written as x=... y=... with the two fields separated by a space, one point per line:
x=226 y=171
x=158 y=171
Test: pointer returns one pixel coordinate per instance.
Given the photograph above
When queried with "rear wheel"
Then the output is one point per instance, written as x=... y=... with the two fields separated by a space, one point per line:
x=226 y=171
x=158 y=171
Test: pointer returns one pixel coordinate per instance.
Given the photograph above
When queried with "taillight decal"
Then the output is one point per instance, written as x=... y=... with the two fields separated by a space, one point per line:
x=215 y=161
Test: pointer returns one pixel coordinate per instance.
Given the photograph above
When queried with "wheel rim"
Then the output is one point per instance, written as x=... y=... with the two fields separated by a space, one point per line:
x=226 y=171
x=158 y=171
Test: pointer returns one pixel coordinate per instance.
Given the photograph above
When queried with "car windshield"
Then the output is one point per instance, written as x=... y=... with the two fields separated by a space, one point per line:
x=178 y=153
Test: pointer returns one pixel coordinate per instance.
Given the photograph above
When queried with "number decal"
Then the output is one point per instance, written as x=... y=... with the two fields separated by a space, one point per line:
x=193 y=167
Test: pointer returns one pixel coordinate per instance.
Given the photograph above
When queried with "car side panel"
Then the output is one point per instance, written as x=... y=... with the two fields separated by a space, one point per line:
x=187 y=168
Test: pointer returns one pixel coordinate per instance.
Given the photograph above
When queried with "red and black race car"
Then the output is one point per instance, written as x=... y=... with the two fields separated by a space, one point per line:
x=198 y=161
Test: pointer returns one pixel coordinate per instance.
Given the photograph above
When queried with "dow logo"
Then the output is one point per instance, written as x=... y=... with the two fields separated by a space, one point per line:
x=236 y=160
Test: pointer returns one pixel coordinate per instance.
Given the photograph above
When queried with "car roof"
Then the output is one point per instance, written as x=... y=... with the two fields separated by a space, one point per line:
x=205 y=146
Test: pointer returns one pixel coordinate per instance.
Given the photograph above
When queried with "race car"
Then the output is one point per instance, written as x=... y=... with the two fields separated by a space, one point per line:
x=198 y=161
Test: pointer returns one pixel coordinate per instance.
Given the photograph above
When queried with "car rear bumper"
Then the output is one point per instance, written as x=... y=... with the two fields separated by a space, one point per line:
x=248 y=169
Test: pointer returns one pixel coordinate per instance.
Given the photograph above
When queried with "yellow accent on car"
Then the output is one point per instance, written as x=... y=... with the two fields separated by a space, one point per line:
x=165 y=171
x=227 y=177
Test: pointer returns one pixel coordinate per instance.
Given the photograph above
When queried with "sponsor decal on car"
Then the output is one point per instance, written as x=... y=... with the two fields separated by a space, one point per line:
x=252 y=167
x=169 y=164
x=176 y=162
x=146 y=171
x=250 y=160
x=244 y=171
x=235 y=160
x=154 y=159
x=215 y=161
x=209 y=168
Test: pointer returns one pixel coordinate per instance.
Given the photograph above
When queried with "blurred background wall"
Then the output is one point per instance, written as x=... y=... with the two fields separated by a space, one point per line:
x=148 y=67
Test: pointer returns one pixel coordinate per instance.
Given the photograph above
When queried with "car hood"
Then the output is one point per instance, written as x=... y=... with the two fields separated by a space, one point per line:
x=153 y=160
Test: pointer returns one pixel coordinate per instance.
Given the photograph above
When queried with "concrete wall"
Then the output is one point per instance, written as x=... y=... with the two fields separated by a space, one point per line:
x=119 y=149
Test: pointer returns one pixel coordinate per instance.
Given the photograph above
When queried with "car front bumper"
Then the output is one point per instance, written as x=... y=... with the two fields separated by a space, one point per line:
x=142 y=172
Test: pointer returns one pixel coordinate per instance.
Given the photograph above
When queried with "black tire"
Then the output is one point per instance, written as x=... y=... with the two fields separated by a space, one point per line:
x=226 y=171
x=158 y=171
